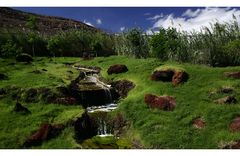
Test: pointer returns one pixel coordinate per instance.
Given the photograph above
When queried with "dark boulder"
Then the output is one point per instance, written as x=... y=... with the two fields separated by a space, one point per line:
x=179 y=77
x=85 y=127
x=170 y=75
x=162 y=75
x=235 y=125
x=226 y=100
x=166 y=103
x=90 y=91
x=3 y=76
x=198 y=123
x=122 y=87
x=23 y=57
x=117 y=68
x=45 y=132
x=21 y=109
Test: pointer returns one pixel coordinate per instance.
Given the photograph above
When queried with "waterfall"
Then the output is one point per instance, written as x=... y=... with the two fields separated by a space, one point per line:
x=103 y=128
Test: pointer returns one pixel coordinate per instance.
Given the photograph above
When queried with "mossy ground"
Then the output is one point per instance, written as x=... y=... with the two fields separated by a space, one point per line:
x=154 y=128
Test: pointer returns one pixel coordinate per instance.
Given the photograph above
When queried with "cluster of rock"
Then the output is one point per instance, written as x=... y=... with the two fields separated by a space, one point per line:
x=170 y=75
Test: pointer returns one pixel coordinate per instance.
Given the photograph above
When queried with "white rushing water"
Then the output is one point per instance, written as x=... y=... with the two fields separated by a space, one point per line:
x=102 y=108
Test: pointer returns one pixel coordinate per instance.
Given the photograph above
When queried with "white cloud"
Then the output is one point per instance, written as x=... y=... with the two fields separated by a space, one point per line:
x=155 y=17
x=122 y=28
x=88 y=23
x=147 y=14
x=99 y=21
x=197 y=19
x=190 y=13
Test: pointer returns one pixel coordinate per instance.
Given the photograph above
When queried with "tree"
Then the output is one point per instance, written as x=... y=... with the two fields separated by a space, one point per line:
x=32 y=25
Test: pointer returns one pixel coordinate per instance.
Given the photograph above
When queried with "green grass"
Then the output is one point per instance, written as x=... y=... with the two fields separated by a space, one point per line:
x=154 y=128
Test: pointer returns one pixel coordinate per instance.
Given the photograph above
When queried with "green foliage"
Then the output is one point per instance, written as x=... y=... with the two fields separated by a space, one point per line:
x=32 y=22
x=133 y=43
x=9 y=49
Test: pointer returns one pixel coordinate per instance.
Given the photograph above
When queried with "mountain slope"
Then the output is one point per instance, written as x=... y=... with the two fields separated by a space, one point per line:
x=13 y=20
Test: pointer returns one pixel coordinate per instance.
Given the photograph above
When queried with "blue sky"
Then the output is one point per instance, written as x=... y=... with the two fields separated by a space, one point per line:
x=118 y=19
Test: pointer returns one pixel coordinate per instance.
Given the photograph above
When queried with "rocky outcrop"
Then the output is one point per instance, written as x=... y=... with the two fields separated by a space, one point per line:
x=198 y=123
x=90 y=91
x=122 y=87
x=45 y=132
x=235 y=75
x=21 y=109
x=235 y=125
x=166 y=103
x=117 y=68
x=226 y=100
x=23 y=57
x=170 y=75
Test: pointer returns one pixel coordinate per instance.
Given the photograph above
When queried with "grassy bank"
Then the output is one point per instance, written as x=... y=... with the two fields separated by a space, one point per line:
x=154 y=128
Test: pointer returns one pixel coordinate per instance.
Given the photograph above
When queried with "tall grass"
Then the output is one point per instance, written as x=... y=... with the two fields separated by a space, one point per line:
x=214 y=46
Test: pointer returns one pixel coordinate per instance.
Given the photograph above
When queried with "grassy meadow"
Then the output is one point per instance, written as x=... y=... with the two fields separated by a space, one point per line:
x=151 y=128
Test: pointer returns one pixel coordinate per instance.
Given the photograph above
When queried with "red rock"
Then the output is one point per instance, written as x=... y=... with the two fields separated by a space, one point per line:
x=198 y=123
x=235 y=125
x=166 y=103
x=235 y=75
x=162 y=75
x=45 y=132
x=117 y=68
x=179 y=77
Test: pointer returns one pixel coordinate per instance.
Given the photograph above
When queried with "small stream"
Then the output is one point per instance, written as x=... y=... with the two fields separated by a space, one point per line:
x=99 y=112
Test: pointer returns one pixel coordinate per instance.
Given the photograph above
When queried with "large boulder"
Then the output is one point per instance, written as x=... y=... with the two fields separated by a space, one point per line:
x=226 y=100
x=21 y=109
x=90 y=91
x=166 y=103
x=45 y=132
x=122 y=87
x=235 y=125
x=117 y=68
x=23 y=57
x=170 y=75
